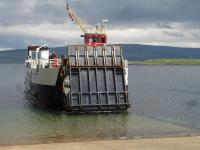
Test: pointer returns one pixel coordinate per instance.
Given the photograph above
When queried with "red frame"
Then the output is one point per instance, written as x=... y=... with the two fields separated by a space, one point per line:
x=89 y=39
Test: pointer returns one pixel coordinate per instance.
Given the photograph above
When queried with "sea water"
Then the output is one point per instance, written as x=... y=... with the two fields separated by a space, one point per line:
x=165 y=101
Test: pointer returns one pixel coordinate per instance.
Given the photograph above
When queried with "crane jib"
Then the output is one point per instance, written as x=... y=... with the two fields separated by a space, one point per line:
x=93 y=35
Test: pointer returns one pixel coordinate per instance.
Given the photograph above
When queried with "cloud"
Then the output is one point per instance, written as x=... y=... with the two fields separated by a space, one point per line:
x=173 y=34
x=160 y=22
x=163 y=25
x=117 y=11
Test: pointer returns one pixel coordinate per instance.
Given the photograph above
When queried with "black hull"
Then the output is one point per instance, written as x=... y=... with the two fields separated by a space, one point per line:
x=44 y=96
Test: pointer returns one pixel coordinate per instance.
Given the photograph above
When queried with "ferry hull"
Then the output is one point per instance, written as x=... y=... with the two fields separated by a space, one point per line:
x=42 y=91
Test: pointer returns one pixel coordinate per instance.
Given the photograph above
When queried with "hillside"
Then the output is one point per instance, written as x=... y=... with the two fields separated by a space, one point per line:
x=146 y=52
x=131 y=52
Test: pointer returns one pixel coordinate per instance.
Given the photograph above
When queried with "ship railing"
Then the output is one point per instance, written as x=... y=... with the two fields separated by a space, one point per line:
x=43 y=63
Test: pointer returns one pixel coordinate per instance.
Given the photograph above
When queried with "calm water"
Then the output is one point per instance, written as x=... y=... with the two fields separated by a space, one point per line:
x=165 y=102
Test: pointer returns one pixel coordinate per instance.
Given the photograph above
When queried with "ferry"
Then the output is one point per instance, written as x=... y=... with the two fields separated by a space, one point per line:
x=87 y=79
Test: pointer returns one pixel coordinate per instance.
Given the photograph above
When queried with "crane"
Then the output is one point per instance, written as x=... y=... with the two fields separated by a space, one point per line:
x=93 y=35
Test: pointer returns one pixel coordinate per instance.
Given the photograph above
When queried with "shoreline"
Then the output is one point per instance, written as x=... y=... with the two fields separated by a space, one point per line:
x=182 y=143
x=166 y=62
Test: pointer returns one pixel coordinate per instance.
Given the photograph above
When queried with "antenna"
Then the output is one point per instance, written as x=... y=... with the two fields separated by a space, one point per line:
x=67 y=4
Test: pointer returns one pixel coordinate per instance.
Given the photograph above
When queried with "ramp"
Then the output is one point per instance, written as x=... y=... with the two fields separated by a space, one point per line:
x=98 y=79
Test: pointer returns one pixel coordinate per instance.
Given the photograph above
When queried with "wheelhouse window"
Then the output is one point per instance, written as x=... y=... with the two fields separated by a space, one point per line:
x=103 y=40
x=95 y=39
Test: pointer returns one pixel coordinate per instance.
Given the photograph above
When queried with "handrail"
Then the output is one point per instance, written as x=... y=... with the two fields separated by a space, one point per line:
x=43 y=63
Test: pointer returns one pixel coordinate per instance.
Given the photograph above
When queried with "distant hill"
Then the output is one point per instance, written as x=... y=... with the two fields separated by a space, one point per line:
x=145 y=52
x=19 y=55
x=131 y=52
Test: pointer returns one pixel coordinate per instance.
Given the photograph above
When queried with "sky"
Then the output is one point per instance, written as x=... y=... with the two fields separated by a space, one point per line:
x=151 y=22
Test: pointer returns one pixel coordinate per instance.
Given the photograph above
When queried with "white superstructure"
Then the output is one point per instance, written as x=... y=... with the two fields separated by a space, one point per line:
x=41 y=66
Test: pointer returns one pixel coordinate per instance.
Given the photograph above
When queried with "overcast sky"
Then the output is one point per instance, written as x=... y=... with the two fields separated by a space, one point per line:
x=155 y=22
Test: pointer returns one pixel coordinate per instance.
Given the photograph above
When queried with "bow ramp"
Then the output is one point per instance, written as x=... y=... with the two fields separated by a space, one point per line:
x=96 y=79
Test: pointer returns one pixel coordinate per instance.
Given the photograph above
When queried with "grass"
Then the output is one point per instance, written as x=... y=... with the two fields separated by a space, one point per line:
x=166 y=62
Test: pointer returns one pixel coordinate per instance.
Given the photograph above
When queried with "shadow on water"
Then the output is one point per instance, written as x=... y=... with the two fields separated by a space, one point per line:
x=50 y=125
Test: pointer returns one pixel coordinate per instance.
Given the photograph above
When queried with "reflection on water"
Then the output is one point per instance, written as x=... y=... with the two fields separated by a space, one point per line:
x=151 y=114
x=43 y=126
x=61 y=126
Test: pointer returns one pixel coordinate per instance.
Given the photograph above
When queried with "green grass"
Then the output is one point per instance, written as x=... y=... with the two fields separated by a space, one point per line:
x=166 y=62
